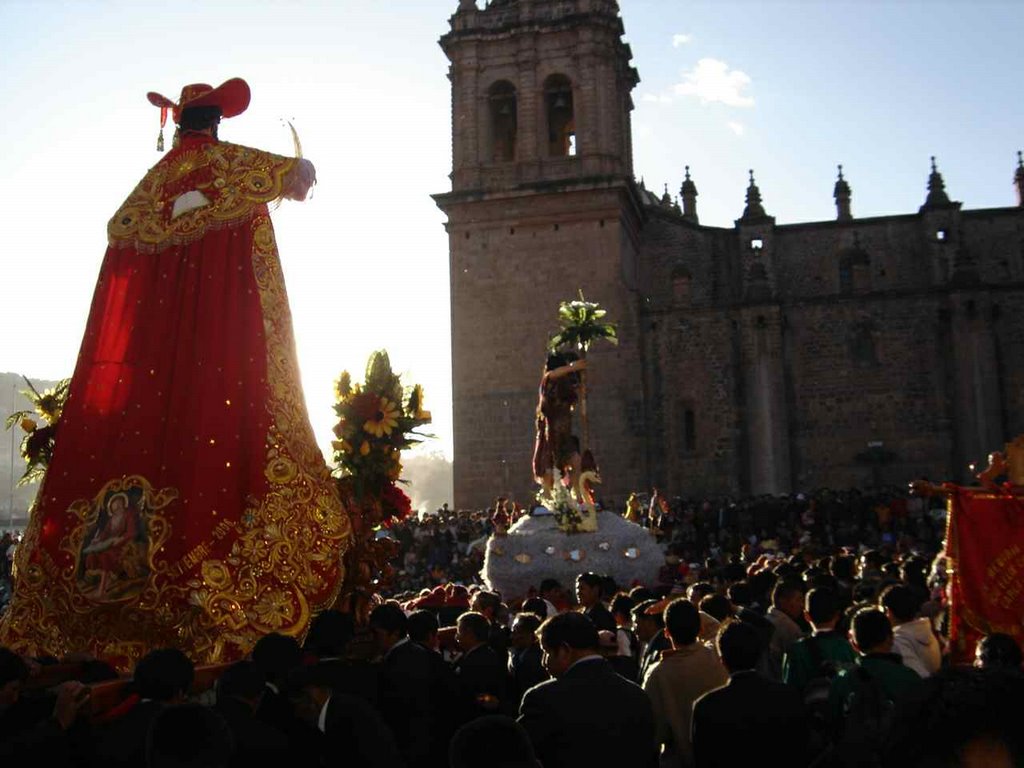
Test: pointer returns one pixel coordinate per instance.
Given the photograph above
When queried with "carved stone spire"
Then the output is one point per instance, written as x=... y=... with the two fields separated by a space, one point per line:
x=841 y=193
x=688 y=191
x=937 y=197
x=754 y=209
x=666 y=199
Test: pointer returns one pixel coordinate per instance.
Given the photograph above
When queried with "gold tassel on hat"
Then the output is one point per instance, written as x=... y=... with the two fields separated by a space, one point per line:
x=163 y=122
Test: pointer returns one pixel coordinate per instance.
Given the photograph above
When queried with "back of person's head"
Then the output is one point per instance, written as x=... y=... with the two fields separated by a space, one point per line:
x=493 y=741
x=843 y=567
x=786 y=572
x=870 y=628
x=873 y=559
x=330 y=633
x=761 y=585
x=699 y=590
x=641 y=593
x=422 y=624
x=717 y=606
x=242 y=680
x=821 y=605
x=785 y=590
x=621 y=605
x=276 y=655
x=739 y=593
x=640 y=611
x=734 y=571
x=188 y=736
x=900 y=600
x=739 y=645
x=391 y=618
x=163 y=675
x=682 y=621
x=549 y=585
x=199 y=118
x=914 y=570
x=591 y=579
x=998 y=651
x=12 y=667
x=570 y=629
x=476 y=624
x=486 y=600
x=526 y=622
x=537 y=606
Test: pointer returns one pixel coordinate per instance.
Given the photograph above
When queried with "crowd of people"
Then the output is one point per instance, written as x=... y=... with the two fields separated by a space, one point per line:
x=449 y=545
x=778 y=643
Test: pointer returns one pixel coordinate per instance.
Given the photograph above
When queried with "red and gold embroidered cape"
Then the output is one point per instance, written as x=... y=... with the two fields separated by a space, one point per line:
x=186 y=503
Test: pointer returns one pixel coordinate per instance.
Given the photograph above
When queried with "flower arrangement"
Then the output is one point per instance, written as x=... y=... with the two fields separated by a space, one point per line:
x=37 y=445
x=377 y=420
x=572 y=516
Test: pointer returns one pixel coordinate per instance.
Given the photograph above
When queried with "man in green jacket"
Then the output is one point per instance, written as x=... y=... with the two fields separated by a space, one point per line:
x=862 y=699
x=826 y=651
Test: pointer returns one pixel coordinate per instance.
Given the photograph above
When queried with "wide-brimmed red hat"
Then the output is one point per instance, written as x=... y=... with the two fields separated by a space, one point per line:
x=232 y=96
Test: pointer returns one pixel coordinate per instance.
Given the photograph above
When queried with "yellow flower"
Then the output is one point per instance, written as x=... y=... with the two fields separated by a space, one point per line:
x=384 y=420
x=416 y=404
x=341 y=445
x=364 y=448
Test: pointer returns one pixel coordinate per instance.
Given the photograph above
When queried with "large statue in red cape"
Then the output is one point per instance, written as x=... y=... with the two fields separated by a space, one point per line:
x=186 y=503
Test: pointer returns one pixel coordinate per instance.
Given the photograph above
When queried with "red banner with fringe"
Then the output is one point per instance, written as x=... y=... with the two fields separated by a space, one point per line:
x=985 y=544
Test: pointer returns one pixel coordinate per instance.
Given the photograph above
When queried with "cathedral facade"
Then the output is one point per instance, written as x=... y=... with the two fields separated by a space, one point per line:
x=761 y=358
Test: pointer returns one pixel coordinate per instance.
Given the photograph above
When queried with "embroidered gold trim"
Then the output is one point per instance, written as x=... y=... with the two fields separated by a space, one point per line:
x=293 y=539
x=236 y=179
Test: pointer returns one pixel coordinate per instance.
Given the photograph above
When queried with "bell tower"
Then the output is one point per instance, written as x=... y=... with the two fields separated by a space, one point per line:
x=543 y=203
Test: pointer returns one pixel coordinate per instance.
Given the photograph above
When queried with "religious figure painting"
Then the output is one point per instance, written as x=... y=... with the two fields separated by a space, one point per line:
x=113 y=558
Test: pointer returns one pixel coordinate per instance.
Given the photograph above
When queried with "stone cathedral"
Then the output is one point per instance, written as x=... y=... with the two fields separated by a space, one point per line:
x=757 y=359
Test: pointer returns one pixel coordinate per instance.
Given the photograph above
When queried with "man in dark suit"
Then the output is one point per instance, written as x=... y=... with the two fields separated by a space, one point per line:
x=351 y=729
x=524 y=661
x=588 y=593
x=588 y=715
x=480 y=671
x=751 y=720
x=240 y=689
x=330 y=635
x=405 y=684
x=649 y=624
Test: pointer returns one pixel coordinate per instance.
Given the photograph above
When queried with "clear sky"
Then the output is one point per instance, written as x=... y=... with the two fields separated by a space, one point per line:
x=789 y=89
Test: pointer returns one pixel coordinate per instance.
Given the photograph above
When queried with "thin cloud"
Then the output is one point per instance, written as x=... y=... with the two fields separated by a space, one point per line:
x=737 y=128
x=712 y=81
x=657 y=98
x=678 y=40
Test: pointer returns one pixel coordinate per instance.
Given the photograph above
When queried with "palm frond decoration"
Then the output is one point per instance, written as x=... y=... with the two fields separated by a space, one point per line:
x=581 y=324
